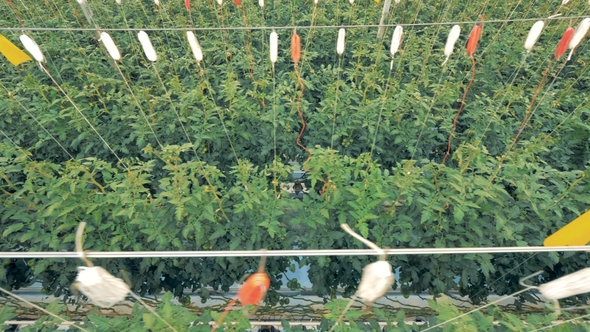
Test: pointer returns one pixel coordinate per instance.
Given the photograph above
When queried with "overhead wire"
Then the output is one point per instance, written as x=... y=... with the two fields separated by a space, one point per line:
x=299 y=27
x=295 y=253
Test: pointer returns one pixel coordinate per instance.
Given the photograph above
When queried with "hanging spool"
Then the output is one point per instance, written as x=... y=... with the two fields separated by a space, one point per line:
x=569 y=285
x=533 y=35
x=148 y=48
x=32 y=47
x=195 y=47
x=377 y=277
x=110 y=46
x=96 y=283
x=274 y=48
x=579 y=34
x=340 y=42
x=451 y=40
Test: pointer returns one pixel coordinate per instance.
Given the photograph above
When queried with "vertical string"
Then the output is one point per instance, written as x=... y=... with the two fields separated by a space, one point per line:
x=434 y=98
x=12 y=97
x=147 y=121
x=383 y=102
x=231 y=144
x=336 y=102
x=84 y=117
x=460 y=109
x=274 y=128
x=174 y=109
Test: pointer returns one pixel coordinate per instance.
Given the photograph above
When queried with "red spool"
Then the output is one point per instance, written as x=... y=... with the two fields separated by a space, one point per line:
x=473 y=39
x=254 y=289
x=295 y=48
x=564 y=42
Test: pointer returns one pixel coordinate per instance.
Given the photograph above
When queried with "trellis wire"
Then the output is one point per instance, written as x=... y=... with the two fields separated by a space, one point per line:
x=299 y=27
x=293 y=253
x=15 y=145
x=562 y=322
x=41 y=309
x=476 y=309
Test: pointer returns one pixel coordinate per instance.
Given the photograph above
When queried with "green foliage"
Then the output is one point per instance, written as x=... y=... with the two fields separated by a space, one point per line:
x=182 y=319
x=223 y=192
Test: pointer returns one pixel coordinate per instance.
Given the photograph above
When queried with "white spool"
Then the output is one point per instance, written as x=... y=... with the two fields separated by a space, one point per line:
x=111 y=46
x=534 y=35
x=376 y=281
x=396 y=39
x=377 y=277
x=195 y=47
x=451 y=40
x=32 y=47
x=101 y=287
x=148 y=48
x=340 y=42
x=580 y=33
x=566 y=286
x=274 y=47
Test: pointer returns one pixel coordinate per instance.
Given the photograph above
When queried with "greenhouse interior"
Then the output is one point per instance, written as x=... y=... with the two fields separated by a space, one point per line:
x=291 y=165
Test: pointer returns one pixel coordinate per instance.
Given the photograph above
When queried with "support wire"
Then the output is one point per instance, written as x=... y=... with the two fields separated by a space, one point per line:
x=294 y=253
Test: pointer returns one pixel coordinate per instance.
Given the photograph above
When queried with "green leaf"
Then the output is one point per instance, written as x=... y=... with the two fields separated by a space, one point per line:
x=12 y=228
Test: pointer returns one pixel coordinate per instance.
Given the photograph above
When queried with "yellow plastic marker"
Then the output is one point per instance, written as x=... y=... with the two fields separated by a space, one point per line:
x=576 y=233
x=14 y=54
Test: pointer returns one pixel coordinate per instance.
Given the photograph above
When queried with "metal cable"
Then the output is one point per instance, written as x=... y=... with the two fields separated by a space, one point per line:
x=292 y=253
x=297 y=27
